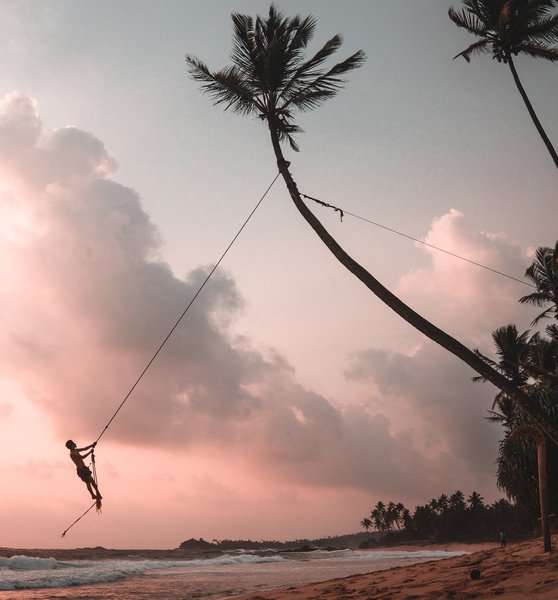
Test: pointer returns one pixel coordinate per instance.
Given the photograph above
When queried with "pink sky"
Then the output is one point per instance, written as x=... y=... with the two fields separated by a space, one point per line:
x=223 y=438
x=290 y=400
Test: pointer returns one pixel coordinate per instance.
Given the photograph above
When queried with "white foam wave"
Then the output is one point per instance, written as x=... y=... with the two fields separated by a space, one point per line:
x=27 y=563
x=25 y=572
x=405 y=554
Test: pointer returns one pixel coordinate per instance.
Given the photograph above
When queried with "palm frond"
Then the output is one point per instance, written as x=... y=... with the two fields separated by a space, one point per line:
x=243 y=54
x=466 y=19
x=307 y=70
x=304 y=31
x=224 y=87
x=536 y=298
x=539 y=9
x=328 y=83
x=546 y=314
x=538 y=50
x=476 y=48
x=544 y=30
x=309 y=100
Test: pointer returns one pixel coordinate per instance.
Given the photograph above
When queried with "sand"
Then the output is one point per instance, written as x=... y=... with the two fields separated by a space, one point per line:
x=520 y=571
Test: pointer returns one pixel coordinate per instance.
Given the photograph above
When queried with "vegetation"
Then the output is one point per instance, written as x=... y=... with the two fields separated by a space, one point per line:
x=449 y=518
x=507 y=28
x=531 y=361
x=352 y=540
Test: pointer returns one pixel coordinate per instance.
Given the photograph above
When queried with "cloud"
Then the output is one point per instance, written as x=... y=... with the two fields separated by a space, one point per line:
x=87 y=297
x=429 y=390
x=90 y=297
x=467 y=300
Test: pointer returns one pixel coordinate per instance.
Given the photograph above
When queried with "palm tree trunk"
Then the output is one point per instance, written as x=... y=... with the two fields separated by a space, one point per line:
x=406 y=312
x=532 y=112
x=543 y=490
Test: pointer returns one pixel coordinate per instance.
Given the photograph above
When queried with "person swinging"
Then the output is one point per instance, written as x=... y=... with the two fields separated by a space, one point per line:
x=83 y=471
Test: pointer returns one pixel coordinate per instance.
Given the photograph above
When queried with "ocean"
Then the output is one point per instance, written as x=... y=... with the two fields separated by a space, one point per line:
x=34 y=578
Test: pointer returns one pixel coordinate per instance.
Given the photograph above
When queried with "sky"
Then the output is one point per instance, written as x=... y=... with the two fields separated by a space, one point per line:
x=290 y=400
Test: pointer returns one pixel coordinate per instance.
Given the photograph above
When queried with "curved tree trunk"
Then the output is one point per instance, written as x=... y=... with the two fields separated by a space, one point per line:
x=532 y=112
x=402 y=309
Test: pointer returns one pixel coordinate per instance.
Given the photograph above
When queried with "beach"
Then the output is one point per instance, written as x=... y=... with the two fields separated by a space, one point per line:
x=100 y=574
x=517 y=572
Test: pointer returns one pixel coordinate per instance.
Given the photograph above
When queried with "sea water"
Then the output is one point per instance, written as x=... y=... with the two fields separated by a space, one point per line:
x=30 y=578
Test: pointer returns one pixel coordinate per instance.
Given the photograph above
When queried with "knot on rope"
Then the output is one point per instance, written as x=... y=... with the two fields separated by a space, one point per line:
x=326 y=205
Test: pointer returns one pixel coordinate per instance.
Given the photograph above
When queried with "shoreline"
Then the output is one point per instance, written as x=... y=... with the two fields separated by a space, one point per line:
x=517 y=572
x=100 y=553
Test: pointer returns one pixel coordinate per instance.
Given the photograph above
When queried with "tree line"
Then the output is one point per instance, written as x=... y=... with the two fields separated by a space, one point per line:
x=448 y=518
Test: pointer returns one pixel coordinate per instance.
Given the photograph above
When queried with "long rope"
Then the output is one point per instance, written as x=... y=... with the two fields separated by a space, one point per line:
x=78 y=519
x=342 y=212
x=183 y=314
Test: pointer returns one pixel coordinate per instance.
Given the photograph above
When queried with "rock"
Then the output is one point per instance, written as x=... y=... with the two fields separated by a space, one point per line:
x=475 y=574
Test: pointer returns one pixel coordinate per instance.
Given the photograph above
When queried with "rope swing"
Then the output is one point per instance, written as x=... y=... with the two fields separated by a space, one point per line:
x=342 y=212
x=166 y=339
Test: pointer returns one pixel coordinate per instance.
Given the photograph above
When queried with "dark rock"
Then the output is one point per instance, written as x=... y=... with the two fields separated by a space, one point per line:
x=475 y=574
x=193 y=544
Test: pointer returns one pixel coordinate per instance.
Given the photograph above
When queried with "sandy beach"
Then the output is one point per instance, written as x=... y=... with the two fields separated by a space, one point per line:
x=520 y=571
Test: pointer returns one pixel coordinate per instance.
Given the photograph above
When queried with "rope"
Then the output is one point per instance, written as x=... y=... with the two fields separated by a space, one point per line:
x=95 y=479
x=78 y=519
x=183 y=314
x=164 y=341
x=342 y=212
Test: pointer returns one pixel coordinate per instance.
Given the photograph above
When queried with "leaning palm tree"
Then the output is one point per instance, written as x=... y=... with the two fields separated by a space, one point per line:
x=508 y=28
x=544 y=274
x=271 y=78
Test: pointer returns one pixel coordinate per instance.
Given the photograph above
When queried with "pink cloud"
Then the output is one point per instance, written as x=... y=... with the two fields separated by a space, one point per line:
x=86 y=297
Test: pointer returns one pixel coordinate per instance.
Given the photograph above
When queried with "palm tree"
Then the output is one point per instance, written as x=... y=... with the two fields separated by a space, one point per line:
x=510 y=27
x=515 y=352
x=378 y=515
x=270 y=78
x=544 y=274
x=476 y=502
x=366 y=523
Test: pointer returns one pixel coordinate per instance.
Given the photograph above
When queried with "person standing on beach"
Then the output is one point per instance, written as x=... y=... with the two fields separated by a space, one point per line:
x=503 y=539
x=83 y=471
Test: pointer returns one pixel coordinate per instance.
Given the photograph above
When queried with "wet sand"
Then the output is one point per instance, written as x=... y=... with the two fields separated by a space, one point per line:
x=519 y=572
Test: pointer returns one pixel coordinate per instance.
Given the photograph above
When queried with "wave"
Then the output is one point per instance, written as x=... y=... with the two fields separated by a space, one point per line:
x=406 y=554
x=27 y=572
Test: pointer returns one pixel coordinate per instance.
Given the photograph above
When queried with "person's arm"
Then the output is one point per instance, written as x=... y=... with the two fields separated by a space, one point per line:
x=92 y=446
x=86 y=454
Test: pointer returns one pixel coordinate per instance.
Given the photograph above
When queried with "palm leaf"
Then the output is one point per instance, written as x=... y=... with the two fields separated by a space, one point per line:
x=475 y=48
x=538 y=50
x=330 y=81
x=466 y=19
x=224 y=87
x=545 y=30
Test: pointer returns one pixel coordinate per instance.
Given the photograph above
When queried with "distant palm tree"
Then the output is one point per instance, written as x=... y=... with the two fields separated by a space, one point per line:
x=544 y=274
x=457 y=500
x=476 y=502
x=510 y=27
x=378 y=515
x=271 y=79
x=366 y=523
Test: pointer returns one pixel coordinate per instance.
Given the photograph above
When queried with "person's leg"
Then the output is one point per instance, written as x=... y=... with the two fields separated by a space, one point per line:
x=90 y=490
x=97 y=492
